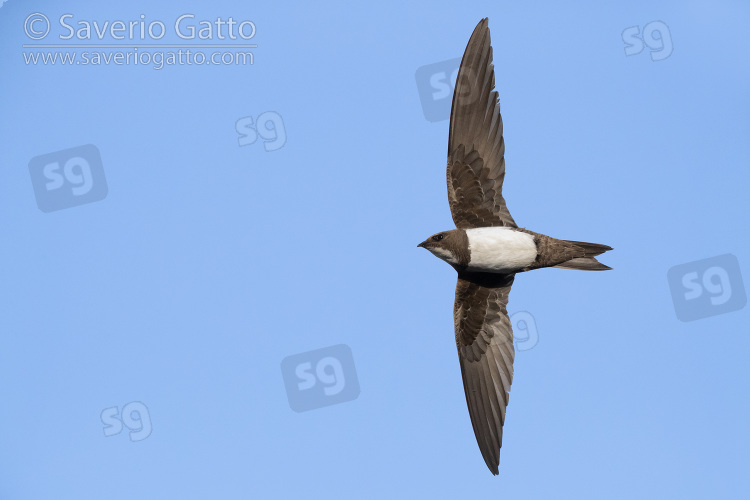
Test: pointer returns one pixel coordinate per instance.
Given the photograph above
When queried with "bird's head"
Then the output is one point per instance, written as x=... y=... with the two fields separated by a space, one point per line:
x=450 y=246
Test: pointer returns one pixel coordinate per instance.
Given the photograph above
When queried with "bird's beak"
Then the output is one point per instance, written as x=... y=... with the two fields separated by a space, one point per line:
x=421 y=244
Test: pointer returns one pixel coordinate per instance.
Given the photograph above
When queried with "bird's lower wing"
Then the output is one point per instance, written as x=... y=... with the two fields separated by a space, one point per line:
x=484 y=338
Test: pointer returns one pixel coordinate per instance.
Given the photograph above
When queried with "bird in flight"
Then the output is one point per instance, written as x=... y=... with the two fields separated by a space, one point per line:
x=487 y=248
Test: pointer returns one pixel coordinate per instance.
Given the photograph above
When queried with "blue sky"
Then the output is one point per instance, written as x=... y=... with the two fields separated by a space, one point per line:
x=206 y=263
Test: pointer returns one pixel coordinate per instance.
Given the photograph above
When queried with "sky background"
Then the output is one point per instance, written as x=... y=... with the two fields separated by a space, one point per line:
x=207 y=263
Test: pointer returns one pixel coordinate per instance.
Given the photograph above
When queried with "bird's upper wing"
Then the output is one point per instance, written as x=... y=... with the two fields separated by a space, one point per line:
x=476 y=163
x=484 y=338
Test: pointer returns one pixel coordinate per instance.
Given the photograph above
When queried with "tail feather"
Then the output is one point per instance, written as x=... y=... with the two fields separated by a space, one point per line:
x=587 y=262
x=591 y=249
x=583 y=264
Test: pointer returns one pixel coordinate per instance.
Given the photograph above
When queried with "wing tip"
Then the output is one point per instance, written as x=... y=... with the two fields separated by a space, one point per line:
x=483 y=25
x=492 y=466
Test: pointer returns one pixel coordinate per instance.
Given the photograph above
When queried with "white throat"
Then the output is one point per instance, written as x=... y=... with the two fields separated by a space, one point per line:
x=443 y=254
x=500 y=249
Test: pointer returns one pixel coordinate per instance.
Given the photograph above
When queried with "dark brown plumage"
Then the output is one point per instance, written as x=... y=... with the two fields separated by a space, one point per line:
x=475 y=175
x=476 y=149
x=566 y=254
x=484 y=338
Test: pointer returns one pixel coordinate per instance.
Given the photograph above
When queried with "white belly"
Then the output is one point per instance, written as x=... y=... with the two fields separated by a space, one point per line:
x=499 y=249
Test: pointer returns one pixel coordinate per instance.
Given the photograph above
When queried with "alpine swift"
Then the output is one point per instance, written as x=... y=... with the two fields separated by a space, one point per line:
x=487 y=248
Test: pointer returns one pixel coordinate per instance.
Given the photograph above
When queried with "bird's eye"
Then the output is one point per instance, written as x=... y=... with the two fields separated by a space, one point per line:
x=437 y=237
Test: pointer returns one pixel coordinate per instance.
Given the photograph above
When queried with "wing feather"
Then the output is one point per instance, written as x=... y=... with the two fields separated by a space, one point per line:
x=484 y=339
x=476 y=149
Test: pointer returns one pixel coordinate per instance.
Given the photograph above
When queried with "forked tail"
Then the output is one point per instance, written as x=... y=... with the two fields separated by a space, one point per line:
x=587 y=262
